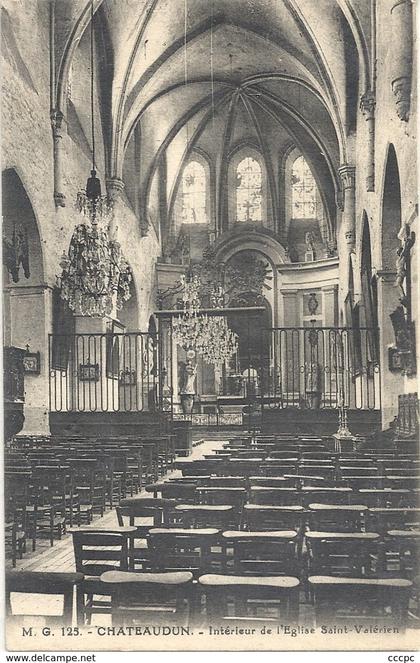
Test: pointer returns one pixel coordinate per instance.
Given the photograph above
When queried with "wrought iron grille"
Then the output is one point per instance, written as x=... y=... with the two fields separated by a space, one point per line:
x=322 y=367
x=107 y=372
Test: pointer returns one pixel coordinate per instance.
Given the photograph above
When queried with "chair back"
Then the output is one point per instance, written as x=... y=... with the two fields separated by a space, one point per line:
x=380 y=602
x=97 y=552
x=275 y=496
x=268 y=517
x=149 y=598
x=336 y=517
x=182 y=549
x=244 y=598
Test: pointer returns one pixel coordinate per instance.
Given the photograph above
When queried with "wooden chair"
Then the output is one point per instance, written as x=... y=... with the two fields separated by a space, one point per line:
x=336 y=517
x=356 y=470
x=90 y=484
x=360 y=600
x=234 y=497
x=60 y=584
x=302 y=480
x=143 y=514
x=201 y=516
x=224 y=482
x=149 y=598
x=58 y=491
x=386 y=497
x=243 y=467
x=250 y=598
x=16 y=494
x=326 y=495
x=382 y=520
x=95 y=552
x=406 y=481
x=284 y=456
x=274 y=496
x=277 y=468
x=401 y=553
x=261 y=553
x=274 y=518
x=341 y=553
x=181 y=492
x=272 y=482
x=357 y=482
x=182 y=549
x=326 y=471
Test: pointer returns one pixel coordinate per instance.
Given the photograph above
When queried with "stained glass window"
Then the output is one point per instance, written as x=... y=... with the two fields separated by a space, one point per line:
x=304 y=191
x=194 y=193
x=248 y=190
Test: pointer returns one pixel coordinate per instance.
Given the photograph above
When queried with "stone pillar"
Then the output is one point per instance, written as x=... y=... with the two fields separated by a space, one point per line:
x=401 y=55
x=347 y=236
x=367 y=106
x=57 y=125
x=330 y=305
x=31 y=322
x=348 y=181
x=392 y=384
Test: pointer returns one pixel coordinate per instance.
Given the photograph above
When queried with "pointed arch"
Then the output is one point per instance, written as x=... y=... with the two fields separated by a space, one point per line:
x=391 y=209
x=247 y=187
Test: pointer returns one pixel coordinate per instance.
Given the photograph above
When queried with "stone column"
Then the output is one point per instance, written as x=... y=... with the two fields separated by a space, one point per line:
x=347 y=236
x=367 y=106
x=57 y=125
x=31 y=322
x=330 y=305
x=401 y=55
x=348 y=181
x=392 y=384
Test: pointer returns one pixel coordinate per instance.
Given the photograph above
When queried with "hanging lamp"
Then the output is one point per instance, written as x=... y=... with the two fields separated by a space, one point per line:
x=95 y=275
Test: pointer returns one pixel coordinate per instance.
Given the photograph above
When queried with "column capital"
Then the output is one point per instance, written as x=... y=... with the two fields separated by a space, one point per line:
x=386 y=276
x=401 y=89
x=367 y=104
x=114 y=186
x=347 y=176
x=57 y=123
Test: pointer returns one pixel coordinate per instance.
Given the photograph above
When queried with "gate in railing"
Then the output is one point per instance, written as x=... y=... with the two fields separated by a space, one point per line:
x=322 y=367
x=107 y=372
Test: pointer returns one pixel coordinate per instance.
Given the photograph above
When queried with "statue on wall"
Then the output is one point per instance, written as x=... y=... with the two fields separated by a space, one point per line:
x=16 y=252
x=403 y=262
x=310 y=249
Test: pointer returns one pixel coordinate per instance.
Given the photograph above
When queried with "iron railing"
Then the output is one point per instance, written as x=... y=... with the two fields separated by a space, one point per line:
x=105 y=372
x=322 y=367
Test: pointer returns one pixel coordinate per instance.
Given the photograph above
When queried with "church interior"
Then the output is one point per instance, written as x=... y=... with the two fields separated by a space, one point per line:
x=210 y=302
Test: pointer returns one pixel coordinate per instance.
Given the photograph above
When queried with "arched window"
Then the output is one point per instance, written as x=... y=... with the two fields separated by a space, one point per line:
x=248 y=190
x=305 y=195
x=194 y=193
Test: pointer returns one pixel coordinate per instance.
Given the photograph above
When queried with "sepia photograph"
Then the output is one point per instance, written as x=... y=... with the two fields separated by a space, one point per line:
x=210 y=319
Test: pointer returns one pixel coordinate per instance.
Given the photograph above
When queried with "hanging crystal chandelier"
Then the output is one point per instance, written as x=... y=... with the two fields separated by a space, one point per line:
x=95 y=275
x=197 y=332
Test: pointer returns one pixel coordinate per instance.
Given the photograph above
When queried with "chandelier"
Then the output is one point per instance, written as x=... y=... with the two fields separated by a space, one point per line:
x=197 y=332
x=95 y=274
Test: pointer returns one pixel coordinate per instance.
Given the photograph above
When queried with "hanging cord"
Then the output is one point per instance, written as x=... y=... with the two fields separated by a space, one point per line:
x=185 y=57
x=211 y=60
x=92 y=86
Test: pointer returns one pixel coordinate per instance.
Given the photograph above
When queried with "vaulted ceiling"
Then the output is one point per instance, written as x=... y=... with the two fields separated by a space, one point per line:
x=209 y=73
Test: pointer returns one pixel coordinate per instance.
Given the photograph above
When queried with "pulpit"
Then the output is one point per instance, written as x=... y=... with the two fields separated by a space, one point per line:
x=14 y=391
